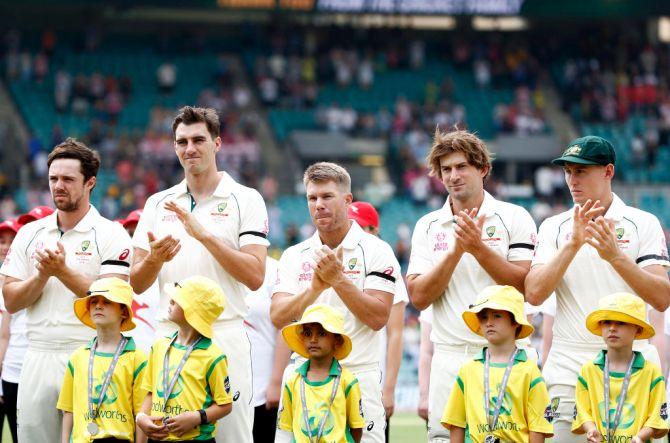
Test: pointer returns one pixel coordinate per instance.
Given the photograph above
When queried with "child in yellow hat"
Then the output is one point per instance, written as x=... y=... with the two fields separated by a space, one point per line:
x=321 y=401
x=187 y=376
x=620 y=396
x=108 y=371
x=517 y=402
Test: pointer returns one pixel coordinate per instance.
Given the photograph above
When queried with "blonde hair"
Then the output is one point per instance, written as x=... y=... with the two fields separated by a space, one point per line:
x=326 y=171
x=445 y=143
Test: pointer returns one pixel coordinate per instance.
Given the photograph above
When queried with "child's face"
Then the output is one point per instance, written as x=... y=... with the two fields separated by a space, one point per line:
x=496 y=326
x=104 y=312
x=618 y=334
x=176 y=313
x=318 y=341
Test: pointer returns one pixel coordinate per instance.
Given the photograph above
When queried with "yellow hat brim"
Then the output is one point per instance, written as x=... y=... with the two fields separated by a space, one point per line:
x=291 y=334
x=191 y=315
x=593 y=322
x=81 y=310
x=471 y=320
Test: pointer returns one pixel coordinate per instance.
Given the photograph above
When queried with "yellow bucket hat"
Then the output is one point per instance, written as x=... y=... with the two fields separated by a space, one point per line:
x=202 y=300
x=623 y=307
x=113 y=289
x=330 y=319
x=500 y=298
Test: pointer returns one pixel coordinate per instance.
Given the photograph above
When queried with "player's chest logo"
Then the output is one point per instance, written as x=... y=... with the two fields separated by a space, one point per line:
x=352 y=268
x=491 y=236
x=306 y=272
x=440 y=242
x=84 y=252
x=622 y=238
x=219 y=213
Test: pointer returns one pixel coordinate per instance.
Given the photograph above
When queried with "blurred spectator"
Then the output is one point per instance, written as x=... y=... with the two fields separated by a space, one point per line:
x=166 y=74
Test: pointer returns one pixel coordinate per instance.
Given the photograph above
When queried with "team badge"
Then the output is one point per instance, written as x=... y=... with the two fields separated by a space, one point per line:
x=619 y=233
x=226 y=384
x=664 y=411
x=85 y=244
x=490 y=231
x=573 y=150
x=222 y=207
x=352 y=263
x=551 y=412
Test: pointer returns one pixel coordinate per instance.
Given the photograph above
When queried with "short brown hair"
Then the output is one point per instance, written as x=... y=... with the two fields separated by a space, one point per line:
x=190 y=115
x=325 y=172
x=445 y=143
x=74 y=149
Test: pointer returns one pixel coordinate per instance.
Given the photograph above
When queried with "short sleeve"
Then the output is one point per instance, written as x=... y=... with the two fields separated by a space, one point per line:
x=426 y=316
x=147 y=380
x=383 y=270
x=352 y=393
x=421 y=257
x=523 y=236
x=653 y=247
x=254 y=226
x=287 y=273
x=545 y=247
x=139 y=372
x=583 y=413
x=454 y=411
x=116 y=253
x=146 y=224
x=658 y=406
x=65 y=396
x=218 y=381
x=539 y=405
x=16 y=262
x=285 y=421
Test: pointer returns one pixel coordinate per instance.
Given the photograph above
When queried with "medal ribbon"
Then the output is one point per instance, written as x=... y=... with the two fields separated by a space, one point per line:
x=501 y=391
x=168 y=386
x=92 y=407
x=324 y=419
x=622 y=396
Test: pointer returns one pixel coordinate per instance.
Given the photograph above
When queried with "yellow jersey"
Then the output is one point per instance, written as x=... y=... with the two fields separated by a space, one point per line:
x=346 y=412
x=525 y=405
x=202 y=382
x=116 y=416
x=644 y=405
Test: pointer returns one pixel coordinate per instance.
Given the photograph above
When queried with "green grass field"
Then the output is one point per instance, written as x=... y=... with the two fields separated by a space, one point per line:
x=407 y=427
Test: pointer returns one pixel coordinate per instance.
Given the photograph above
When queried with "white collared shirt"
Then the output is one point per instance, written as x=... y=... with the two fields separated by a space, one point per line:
x=96 y=246
x=235 y=213
x=369 y=263
x=509 y=230
x=589 y=277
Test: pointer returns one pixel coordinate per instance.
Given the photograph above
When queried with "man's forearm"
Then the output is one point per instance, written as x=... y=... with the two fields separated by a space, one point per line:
x=19 y=294
x=424 y=289
x=243 y=267
x=542 y=280
x=652 y=288
x=502 y=271
x=144 y=273
x=287 y=308
x=372 y=311
x=75 y=281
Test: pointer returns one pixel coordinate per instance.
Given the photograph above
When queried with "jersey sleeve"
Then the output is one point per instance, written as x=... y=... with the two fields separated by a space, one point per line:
x=16 y=262
x=139 y=372
x=653 y=246
x=65 y=396
x=383 y=271
x=523 y=237
x=454 y=411
x=539 y=405
x=421 y=257
x=583 y=412
x=218 y=381
x=285 y=421
x=287 y=273
x=146 y=224
x=401 y=295
x=658 y=406
x=116 y=252
x=352 y=393
x=545 y=247
x=254 y=226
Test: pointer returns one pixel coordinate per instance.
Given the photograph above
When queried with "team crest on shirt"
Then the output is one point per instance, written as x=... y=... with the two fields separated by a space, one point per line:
x=620 y=238
x=352 y=263
x=83 y=254
x=664 y=411
x=352 y=270
x=627 y=414
x=220 y=212
x=440 y=242
x=491 y=238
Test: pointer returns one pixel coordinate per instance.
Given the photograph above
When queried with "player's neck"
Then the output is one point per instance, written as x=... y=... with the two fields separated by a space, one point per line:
x=68 y=220
x=501 y=352
x=203 y=185
x=619 y=358
x=186 y=335
x=108 y=337
x=460 y=205
x=333 y=239
x=319 y=367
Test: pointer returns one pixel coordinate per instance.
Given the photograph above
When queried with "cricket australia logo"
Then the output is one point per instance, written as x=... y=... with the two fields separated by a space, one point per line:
x=314 y=420
x=490 y=231
x=85 y=244
x=627 y=414
x=220 y=211
x=551 y=412
x=573 y=150
x=352 y=263
x=222 y=207
x=619 y=233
